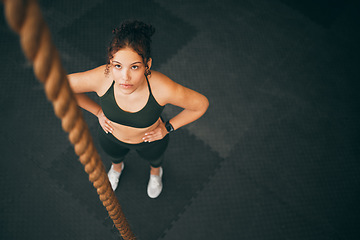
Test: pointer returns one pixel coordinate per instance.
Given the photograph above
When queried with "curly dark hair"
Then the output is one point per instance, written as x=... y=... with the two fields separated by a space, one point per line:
x=134 y=34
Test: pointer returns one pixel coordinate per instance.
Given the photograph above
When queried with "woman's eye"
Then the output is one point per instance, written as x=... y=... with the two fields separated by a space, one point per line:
x=117 y=66
x=135 y=67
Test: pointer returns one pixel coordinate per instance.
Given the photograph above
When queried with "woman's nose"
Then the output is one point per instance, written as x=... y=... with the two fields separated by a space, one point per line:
x=125 y=75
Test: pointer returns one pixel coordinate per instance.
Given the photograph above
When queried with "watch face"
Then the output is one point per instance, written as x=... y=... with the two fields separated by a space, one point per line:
x=169 y=127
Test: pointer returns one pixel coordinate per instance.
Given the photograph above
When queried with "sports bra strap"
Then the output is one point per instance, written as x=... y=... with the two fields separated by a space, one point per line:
x=147 y=80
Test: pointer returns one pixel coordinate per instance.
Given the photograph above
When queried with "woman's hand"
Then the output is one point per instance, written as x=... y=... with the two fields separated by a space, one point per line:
x=156 y=134
x=104 y=122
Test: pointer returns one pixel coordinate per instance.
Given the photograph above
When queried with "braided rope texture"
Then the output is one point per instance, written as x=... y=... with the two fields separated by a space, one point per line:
x=25 y=18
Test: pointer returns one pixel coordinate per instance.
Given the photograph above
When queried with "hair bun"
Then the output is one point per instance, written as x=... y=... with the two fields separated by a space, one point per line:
x=134 y=26
x=115 y=30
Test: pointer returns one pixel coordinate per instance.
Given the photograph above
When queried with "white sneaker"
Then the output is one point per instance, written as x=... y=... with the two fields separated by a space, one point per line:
x=155 y=185
x=114 y=176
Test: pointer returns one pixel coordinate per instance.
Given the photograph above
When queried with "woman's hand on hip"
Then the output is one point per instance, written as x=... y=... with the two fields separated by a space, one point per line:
x=156 y=134
x=105 y=123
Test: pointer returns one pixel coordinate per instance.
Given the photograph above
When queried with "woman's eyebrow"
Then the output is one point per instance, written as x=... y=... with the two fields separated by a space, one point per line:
x=130 y=64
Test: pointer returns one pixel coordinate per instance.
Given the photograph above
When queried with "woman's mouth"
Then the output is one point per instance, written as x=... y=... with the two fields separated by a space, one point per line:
x=126 y=85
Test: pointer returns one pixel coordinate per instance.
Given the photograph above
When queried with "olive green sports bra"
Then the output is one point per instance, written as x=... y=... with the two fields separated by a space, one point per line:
x=146 y=117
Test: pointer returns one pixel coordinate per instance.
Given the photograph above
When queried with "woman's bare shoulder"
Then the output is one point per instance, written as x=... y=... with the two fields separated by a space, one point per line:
x=166 y=91
x=92 y=80
x=162 y=86
x=159 y=79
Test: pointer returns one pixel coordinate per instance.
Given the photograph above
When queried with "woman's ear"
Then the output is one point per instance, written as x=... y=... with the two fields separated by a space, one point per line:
x=149 y=62
x=147 y=67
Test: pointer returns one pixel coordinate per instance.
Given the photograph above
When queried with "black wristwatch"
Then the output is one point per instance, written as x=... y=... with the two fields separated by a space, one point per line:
x=169 y=127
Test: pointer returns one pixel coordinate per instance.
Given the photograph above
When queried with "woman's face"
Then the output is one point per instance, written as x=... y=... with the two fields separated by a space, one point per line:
x=128 y=70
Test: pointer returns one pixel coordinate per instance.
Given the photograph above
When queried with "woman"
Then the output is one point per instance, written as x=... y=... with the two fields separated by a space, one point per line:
x=131 y=102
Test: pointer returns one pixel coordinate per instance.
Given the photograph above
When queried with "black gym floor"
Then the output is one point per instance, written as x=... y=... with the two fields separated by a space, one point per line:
x=275 y=157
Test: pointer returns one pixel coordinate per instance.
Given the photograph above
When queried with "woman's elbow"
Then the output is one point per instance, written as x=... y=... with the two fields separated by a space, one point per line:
x=204 y=104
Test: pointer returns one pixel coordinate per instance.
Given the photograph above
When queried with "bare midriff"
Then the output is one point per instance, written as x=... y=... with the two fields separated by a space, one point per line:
x=130 y=134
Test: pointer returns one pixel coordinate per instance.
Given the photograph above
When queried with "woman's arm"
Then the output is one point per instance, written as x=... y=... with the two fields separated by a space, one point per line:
x=90 y=81
x=193 y=103
x=87 y=103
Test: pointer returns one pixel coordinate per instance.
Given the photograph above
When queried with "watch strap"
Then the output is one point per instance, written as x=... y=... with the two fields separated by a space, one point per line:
x=169 y=127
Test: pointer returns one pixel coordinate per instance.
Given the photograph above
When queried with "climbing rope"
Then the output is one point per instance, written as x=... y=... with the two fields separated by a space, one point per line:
x=25 y=18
